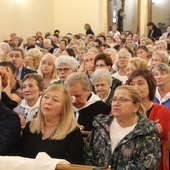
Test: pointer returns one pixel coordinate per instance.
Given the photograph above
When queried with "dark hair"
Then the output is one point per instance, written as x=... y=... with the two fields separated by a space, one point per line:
x=38 y=78
x=71 y=52
x=56 y=31
x=105 y=57
x=143 y=47
x=149 y=77
x=98 y=41
x=19 y=49
x=10 y=65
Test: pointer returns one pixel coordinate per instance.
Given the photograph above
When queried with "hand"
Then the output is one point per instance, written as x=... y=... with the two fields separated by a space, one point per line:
x=22 y=120
x=159 y=127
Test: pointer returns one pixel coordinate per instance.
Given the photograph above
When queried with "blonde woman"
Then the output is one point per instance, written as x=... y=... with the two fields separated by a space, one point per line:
x=48 y=70
x=55 y=130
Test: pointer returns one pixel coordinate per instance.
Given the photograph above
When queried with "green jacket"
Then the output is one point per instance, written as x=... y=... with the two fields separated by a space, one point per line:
x=138 y=150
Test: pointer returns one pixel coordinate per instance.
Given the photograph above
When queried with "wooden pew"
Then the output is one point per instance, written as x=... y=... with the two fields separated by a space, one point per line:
x=77 y=167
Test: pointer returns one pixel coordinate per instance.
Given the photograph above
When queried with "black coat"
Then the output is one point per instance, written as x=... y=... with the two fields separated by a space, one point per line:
x=10 y=130
x=26 y=71
x=156 y=33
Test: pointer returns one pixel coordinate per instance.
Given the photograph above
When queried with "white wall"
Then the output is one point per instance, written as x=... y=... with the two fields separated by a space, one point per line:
x=71 y=17
x=25 y=17
x=161 y=11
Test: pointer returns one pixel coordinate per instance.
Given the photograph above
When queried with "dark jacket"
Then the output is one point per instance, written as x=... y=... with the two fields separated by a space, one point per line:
x=26 y=71
x=89 y=31
x=140 y=149
x=10 y=130
x=156 y=33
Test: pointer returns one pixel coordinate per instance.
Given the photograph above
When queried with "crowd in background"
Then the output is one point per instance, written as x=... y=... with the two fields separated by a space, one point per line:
x=52 y=76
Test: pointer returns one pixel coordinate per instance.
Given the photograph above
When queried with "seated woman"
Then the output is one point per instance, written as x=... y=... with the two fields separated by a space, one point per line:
x=12 y=93
x=125 y=139
x=144 y=81
x=104 y=60
x=136 y=63
x=32 y=86
x=65 y=66
x=162 y=75
x=102 y=81
x=55 y=130
x=33 y=58
x=48 y=70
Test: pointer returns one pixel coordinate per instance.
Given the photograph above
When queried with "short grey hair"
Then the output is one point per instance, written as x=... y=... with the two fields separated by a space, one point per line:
x=67 y=60
x=162 y=42
x=78 y=78
x=102 y=73
x=163 y=55
x=6 y=46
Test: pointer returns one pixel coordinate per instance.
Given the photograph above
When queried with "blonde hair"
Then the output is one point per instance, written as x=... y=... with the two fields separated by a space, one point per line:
x=67 y=120
x=139 y=63
x=48 y=57
x=135 y=96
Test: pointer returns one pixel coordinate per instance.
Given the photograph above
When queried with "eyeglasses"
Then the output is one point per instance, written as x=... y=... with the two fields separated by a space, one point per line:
x=121 y=100
x=100 y=65
x=63 y=69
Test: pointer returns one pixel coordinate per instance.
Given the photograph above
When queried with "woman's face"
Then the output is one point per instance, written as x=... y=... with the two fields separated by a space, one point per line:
x=47 y=67
x=141 y=84
x=130 y=68
x=161 y=77
x=31 y=90
x=122 y=60
x=52 y=105
x=101 y=64
x=142 y=53
x=102 y=87
x=156 y=59
x=64 y=71
x=123 y=107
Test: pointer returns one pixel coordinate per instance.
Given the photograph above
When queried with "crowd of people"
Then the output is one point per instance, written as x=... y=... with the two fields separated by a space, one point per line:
x=114 y=85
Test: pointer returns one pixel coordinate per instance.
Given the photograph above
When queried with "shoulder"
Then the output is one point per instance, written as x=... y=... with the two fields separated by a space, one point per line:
x=27 y=70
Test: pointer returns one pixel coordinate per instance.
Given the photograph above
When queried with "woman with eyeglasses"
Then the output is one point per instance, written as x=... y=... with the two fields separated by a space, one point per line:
x=145 y=83
x=125 y=139
x=65 y=66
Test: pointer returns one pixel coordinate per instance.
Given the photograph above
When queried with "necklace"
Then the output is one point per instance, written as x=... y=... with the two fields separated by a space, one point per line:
x=148 y=106
x=48 y=133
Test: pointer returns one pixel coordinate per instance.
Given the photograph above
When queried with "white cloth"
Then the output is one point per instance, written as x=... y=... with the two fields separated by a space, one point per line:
x=117 y=133
x=42 y=162
x=28 y=112
x=94 y=98
x=121 y=78
x=162 y=99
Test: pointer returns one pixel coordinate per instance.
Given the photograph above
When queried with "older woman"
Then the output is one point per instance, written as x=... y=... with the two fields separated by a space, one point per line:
x=55 y=130
x=32 y=86
x=142 y=51
x=122 y=62
x=65 y=66
x=162 y=75
x=48 y=70
x=143 y=80
x=125 y=139
x=136 y=63
x=33 y=58
x=104 y=60
x=102 y=82
x=158 y=57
